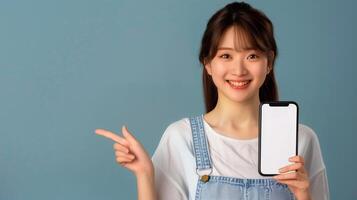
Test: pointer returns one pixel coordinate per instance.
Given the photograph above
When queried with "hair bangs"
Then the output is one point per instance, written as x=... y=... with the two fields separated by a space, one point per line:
x=243 y=40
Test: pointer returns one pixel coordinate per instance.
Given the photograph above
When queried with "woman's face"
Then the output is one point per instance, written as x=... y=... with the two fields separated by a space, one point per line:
x=238 y=75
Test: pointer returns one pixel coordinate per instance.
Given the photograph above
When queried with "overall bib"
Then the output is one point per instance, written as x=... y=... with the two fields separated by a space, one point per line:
x=226 y=188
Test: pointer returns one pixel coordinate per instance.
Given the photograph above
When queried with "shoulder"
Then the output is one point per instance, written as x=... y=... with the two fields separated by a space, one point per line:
x=175 y=144
x=306 y=134
x=178 y=133
x=179 y=125
x=306 y=131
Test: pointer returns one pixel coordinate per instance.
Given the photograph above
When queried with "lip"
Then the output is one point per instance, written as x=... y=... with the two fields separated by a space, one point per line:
x=239 y=80
x=239 y=87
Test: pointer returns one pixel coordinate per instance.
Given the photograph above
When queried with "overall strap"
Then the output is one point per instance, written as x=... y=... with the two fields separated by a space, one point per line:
x=200 y=144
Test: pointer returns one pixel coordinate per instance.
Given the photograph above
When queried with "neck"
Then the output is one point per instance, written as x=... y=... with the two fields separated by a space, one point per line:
x=236 y=119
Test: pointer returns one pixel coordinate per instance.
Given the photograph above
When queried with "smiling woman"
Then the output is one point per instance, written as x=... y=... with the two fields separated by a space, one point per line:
x=249 y=34
x=214 y=155
x=238 y=69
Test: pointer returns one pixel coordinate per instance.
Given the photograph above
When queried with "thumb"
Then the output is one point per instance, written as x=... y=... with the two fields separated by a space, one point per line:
x=128 y=135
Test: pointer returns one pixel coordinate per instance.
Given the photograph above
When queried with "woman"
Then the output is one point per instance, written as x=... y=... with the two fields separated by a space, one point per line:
x=214 y=155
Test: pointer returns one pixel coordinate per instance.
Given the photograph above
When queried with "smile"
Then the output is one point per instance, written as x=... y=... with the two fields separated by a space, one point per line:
x=239 y=84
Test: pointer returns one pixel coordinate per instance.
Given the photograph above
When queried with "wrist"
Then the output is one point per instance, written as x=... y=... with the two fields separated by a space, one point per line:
x=146 y=185
x=304 y=196
x=145 y=174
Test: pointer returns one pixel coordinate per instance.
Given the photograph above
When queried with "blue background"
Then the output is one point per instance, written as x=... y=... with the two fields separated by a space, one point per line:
x=69 y=67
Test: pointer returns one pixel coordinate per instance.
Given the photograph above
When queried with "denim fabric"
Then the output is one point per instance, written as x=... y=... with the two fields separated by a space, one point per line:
x=224 y=188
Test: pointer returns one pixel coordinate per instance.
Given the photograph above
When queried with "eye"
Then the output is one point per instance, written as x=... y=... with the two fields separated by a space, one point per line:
x=253 y=56
x=225 y=56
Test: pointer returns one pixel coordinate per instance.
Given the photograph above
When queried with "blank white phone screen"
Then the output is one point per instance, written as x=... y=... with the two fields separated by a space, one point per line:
x=278 y=136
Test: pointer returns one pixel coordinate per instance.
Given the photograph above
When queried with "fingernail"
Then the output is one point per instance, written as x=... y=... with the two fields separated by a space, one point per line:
x=123 y=129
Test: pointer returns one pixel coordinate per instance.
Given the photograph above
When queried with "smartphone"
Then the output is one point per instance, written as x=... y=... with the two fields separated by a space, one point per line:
x=278 y=135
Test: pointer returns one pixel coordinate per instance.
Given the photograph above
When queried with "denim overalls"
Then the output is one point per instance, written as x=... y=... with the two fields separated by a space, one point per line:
x=222 y=187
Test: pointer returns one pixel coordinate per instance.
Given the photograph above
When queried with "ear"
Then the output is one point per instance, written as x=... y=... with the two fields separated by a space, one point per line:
x=208 y=68
x=268 y=70
x=271 y=56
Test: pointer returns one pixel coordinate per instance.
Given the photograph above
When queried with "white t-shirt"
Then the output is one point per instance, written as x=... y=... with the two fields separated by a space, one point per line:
x=175 y=165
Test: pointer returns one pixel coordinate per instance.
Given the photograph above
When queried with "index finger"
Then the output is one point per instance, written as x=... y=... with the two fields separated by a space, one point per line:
x=297 y=158
x=112 y=136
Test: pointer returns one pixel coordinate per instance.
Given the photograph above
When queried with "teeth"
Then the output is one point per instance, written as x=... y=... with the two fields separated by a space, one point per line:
x=236 y=83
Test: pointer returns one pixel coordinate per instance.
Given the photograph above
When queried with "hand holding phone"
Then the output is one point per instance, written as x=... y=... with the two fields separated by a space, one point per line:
x=278 y=135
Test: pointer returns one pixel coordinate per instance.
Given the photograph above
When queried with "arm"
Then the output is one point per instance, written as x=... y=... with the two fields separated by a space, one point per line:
x=132 y=155
x=319 y=186
x=146 y=186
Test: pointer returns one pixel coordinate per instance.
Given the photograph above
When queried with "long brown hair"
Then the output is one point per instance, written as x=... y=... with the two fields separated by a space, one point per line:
x=258 y=30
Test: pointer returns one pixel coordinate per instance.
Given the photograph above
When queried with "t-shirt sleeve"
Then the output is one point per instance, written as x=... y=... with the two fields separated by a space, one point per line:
x=170 y=163
x=314 y=164
x=166 y=187
x=319 y=186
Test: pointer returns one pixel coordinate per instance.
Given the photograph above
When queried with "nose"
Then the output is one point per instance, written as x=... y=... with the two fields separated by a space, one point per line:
x=239 y=68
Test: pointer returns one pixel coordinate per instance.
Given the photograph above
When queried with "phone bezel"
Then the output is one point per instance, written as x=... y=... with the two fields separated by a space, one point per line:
x=275 y=103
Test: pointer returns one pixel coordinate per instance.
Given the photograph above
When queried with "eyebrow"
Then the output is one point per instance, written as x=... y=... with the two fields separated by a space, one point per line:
x=228 y=48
